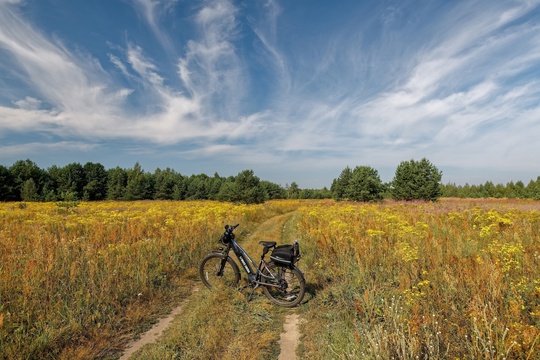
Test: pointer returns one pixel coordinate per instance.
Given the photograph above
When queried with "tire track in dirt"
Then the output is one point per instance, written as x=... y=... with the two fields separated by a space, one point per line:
x=274 y=229
x=156 y=331
x=290 y=338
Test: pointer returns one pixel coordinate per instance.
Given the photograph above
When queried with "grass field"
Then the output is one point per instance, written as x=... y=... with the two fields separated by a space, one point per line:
x=447 y=280
x=452 y=279
x=73 y=278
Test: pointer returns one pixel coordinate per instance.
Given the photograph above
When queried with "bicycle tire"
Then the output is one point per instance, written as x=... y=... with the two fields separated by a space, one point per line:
x=293 y=284
x=209 y=271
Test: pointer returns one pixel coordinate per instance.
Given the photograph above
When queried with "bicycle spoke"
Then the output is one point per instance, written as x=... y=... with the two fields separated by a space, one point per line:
x=214 y=272
x=287 y=285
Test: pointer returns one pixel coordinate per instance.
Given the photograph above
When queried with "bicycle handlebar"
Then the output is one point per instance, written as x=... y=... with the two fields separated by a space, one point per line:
x=228 y=234
x=230 y=228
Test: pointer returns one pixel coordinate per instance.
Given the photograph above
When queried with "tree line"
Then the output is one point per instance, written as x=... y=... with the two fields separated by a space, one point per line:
x=413 y=180
x=26 y=181
x=511 y=190
x=420 y=180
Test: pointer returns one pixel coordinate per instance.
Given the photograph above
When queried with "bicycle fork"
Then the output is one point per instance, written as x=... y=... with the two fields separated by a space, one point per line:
x=222 y=266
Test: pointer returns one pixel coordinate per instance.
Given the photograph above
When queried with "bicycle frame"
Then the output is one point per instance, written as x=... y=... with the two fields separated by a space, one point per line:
x=284 y=284
x=248 y=264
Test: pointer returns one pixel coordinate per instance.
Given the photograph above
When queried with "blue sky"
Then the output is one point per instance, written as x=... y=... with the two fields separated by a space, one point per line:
x=294 y=90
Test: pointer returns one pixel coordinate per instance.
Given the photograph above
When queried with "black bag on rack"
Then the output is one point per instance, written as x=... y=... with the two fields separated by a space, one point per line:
x=286 y=255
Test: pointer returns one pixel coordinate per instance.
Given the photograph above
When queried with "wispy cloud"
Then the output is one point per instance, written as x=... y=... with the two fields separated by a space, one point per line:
x=210 y=103
x=265 y=28
x=211 y=69
x=35 y=148
x=84 y=101
x=453 y=85
x=28 y=103
x=152 y=10
x=71 y=84
x=455 y=90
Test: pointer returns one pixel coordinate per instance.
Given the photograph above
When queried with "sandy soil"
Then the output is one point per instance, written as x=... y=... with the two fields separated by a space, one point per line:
x=290 y=337
x=155 y=332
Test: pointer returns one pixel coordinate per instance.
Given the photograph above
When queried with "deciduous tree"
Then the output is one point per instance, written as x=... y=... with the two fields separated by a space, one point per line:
x=24 y=170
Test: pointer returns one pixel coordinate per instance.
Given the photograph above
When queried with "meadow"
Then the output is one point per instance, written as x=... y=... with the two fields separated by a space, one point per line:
x=456 y=279
x=72 y=278
x=404 y=280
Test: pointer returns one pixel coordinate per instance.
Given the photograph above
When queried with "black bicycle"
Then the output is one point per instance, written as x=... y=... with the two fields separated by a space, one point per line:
x=282 y=282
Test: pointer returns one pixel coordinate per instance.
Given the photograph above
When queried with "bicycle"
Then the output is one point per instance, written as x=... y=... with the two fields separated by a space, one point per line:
x=282 y=282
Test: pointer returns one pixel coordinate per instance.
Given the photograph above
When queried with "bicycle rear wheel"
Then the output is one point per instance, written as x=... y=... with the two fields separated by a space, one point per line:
x=219 y=270
x=286 y=285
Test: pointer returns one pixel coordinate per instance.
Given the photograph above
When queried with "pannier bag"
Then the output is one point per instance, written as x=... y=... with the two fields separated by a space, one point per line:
x=285 y=255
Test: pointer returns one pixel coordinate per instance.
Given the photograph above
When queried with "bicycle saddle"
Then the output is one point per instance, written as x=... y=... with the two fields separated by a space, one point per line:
x=267 y=244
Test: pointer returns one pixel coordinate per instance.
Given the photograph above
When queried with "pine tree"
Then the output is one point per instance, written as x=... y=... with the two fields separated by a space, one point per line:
x=364 y=185
x=417 y=180
x=339 y=185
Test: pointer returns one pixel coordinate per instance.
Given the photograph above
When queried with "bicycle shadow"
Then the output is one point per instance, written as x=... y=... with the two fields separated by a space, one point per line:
x=257 y=295
x=310 y=294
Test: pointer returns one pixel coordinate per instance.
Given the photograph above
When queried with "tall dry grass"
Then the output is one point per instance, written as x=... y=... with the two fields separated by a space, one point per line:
x=227 y=323
x=221 y=325
x=67 y=275
x=453 y=279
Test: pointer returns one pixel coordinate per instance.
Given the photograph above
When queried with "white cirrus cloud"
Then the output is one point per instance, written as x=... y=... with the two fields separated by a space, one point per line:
x=77 y=97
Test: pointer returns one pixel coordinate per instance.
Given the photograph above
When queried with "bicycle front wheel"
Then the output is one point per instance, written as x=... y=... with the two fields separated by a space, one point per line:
x=286 y=286
x=219 y=270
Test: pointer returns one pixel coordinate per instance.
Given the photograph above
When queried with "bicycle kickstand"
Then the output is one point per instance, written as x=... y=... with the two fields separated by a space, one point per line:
x=252 y=291
x=253 y=287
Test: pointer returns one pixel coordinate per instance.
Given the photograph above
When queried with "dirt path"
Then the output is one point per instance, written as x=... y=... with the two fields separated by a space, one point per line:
x=155 y=332
x=290 y=338
x=278 y=229
x=272 y=229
